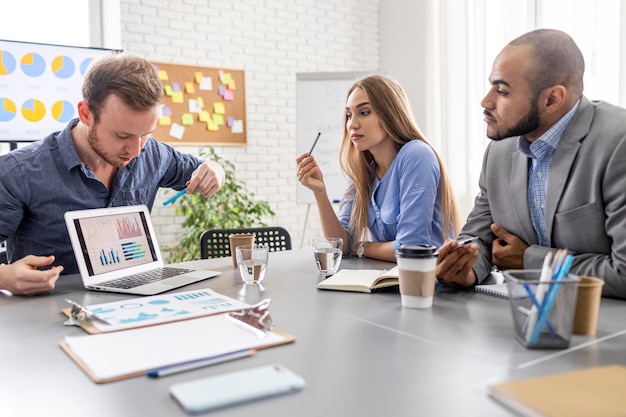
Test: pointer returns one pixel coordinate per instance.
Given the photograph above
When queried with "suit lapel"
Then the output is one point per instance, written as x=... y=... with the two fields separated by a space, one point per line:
x=564 y=158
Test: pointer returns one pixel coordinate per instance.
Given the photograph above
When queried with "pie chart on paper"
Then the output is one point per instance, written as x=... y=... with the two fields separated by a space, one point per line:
x=84 y=65
x=33 y=64
x=63 y=67
x=7 y=63
x=62 y=111
x=7 y=110
x=33 y=110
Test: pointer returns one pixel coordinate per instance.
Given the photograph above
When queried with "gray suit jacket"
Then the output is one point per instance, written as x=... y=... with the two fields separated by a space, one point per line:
x=585 y=209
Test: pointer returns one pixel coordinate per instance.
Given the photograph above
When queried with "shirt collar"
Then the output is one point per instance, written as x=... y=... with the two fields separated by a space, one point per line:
x=550 y=139
x=68 y=152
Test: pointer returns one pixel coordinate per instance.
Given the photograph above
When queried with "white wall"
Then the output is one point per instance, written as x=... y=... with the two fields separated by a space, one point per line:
x=271 y=40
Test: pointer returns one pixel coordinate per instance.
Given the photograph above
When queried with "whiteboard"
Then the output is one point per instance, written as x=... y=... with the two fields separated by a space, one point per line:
x=320 y=107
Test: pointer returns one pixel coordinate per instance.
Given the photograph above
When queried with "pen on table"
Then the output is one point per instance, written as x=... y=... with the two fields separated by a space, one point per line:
x=315 y=143
x=200 y=363
x=175 y=196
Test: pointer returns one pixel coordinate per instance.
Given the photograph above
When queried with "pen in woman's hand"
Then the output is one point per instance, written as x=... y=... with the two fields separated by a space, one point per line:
x=315 y=143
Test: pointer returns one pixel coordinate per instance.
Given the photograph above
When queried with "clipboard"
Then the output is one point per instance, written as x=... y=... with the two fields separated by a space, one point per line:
x=148 y=311
x=109 y=357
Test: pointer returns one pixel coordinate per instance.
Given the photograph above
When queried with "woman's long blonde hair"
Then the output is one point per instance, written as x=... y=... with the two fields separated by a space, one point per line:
x=389 y=102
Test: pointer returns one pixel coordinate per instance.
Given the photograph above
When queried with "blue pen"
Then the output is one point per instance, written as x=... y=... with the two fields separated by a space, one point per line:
x=538 y=306
x=175 y=196
x=200 y=363
x=551 y=298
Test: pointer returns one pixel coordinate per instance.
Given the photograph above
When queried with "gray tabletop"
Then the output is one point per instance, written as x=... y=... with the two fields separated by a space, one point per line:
x=360 y=354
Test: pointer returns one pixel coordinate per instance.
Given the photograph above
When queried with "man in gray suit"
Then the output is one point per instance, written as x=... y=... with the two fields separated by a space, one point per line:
x=554 y=175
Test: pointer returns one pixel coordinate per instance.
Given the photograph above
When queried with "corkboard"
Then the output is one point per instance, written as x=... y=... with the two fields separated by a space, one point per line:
x=201 y=106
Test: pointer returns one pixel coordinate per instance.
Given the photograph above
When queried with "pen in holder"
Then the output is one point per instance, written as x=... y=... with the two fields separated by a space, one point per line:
x=543 y=311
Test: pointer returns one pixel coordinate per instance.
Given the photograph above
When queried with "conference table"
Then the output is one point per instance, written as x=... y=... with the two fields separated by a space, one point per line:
x=360 y=354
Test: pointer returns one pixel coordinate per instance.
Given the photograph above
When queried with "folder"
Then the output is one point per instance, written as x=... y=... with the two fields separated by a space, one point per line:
x=597 y=392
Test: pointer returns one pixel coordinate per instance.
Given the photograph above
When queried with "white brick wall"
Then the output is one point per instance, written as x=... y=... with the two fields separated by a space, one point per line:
x=271 y=40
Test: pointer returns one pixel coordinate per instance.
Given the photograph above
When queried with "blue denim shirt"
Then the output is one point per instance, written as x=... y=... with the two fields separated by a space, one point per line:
x=405 y=205
x=40 y=182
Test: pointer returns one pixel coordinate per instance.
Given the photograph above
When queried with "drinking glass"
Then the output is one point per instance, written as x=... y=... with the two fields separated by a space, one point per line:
x=252 y=262
x=328 y=253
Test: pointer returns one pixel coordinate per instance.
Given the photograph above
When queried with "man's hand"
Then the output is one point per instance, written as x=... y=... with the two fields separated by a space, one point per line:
x=508 y=250
x=454 y=264
x=23 y=278
x=207 y=179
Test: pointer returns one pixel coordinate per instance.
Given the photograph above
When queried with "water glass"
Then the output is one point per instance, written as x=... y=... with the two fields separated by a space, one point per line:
x=328 y=253
x=252 y=262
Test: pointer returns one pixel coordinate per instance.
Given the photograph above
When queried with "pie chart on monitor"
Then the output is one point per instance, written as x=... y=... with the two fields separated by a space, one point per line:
x=62 y=111
x=33 y=110
x=7 y=63
x=33 y=64
x=63 y=67
x=7 y=110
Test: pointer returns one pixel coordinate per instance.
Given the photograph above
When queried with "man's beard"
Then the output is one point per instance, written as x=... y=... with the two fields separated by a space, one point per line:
x=94 y=142
x=530 y=122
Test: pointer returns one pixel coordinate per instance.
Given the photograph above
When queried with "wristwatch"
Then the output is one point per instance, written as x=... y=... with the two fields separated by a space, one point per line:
x=360 y=250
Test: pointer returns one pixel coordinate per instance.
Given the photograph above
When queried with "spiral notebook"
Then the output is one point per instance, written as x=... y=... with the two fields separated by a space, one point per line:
x=496 y=290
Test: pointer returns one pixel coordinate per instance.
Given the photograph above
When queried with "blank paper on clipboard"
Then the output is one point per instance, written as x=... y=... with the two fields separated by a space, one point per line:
x=114 y=356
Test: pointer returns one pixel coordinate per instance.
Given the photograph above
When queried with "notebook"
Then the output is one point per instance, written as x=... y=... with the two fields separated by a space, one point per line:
x=360 y=280
x=597 y=392
x=116 y=251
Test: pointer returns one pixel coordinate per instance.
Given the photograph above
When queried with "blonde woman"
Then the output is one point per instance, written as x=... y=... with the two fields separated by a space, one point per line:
x=399 y=192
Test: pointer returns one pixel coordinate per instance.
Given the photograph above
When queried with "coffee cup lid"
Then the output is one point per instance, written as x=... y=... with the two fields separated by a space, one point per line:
x=419 y=250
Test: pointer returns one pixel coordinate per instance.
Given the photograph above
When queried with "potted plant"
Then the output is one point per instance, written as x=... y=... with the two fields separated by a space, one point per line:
x=231 y=207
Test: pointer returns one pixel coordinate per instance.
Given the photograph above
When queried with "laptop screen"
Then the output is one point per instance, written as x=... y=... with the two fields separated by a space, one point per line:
x=115 y=241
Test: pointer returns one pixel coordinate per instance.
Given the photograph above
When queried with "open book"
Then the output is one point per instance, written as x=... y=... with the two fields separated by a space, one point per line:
x=360 y=280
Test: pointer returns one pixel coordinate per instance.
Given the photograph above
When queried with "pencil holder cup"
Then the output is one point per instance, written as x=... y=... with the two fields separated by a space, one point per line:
x=543 y=311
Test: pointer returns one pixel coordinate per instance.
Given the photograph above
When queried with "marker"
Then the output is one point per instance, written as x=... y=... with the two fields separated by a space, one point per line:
x=175 y=196
x=200 y=363
x=463 y=242
x=315 y=143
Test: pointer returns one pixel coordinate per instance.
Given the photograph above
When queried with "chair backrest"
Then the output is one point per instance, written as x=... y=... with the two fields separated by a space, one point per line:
x=3 y=256
x=214 y=243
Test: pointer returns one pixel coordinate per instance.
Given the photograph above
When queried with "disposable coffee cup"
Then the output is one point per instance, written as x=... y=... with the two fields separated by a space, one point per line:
x=587 y=306
x=239 y=239
x=416 y=267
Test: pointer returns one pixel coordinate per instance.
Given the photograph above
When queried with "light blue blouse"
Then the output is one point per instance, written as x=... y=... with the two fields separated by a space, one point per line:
x=405 y=206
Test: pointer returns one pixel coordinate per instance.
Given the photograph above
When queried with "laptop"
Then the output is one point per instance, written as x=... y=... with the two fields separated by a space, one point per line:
x=116 y=251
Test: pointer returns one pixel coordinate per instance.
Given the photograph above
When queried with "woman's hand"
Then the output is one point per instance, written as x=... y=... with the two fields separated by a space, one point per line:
x=309 y=173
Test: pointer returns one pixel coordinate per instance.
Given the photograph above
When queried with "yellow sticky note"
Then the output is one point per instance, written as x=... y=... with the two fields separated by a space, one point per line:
x=231 y=84
x=189 y=88
x=200 y=102
x=186 y=119
x=198 y=77
x=227 y=78
x=165 y=121
x=218 y=119
x=219 y=108
x=212 y=126
x=204 y=116
x=163 y=75
x=177 y=97
x=168 y=90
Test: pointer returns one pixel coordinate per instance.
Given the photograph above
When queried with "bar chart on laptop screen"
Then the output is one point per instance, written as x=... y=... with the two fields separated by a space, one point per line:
x=115 y=241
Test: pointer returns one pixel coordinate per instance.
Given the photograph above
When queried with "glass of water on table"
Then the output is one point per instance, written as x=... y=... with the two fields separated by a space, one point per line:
x=328 y=253
x=252 y=262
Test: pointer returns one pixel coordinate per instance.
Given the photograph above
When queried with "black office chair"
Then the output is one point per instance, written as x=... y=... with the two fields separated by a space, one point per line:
x=3 y=256
x=214 y=243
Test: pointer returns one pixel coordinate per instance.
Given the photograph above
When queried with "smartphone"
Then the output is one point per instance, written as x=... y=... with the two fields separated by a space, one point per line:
x=463 y=242
x=228 y=389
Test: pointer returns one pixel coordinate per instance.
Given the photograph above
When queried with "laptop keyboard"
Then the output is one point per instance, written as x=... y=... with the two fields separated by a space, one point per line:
x=144 y=278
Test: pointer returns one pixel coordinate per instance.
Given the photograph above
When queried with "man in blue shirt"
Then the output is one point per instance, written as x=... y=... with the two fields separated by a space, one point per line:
x=104 y=158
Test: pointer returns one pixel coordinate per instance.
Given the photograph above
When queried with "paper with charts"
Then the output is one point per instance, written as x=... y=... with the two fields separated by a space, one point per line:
x=163 y=308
